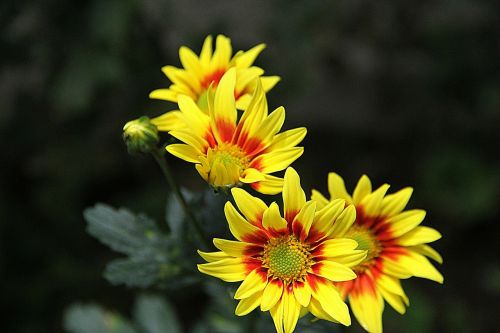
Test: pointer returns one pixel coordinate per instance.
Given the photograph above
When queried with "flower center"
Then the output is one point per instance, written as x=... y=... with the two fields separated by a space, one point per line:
x=287 y=259
x=366 y=241
x=227 y=163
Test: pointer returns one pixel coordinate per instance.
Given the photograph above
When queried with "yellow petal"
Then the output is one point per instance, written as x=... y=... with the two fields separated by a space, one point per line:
x=287 y=139
x=187 y=136
x=272 y=219
x=394 y=204
x=325 y=219
x=405 y=221
x=182 y=78
x=394 y=300
x=352 y=259
x=268 y=82
x=427 y=251
x=270 y=185
x=229 y=270
x=344 y=221
x=241 y=229
x=390 y=284
x=302 y=293
x=223 y=113
x=202 y=170
x=206 y=53
x=193 y=117
x=164 y=94
x=291 y=310
x=255 y=113
x=317 y=310
x=336 y=187
x=368 y=308
x=393 y=293
x=184 y=152
x=277 y=314
x=168 y=121
x=232 y=248
x=271 y=295
x=251 y=175
x=336 y=247
x=245 y=77
x=372 y=202
x=213 y=256
x=277 y=160
x=181 y=89
x=363 y=188
x=329 y=298
x=271 y=125
x=190 y=62
x=243 y=101
x=395 y=269
x=294 y=197
x=419 y=235
x=418 y=266
x=303 y=220
x=222 y=54
x=247 y=305
x=319 y=198
x=424 y=268
x=255 y=281
x=333 y=271
x=246 y=59
x=251 y=207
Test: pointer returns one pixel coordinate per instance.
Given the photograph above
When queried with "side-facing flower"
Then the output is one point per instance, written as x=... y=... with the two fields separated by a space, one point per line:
x=287 y=265
x=396 y=244
x=228 y=151
x=201 y=74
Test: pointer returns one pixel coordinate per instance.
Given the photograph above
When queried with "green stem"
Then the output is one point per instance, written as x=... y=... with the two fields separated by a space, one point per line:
x=167 y=172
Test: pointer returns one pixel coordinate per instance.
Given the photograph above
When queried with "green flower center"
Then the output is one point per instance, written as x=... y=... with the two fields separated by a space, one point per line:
x=287 y=259
x=226 y=163
x=366 y=241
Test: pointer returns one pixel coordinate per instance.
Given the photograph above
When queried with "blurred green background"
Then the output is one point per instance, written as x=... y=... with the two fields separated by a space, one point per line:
x=408 y=93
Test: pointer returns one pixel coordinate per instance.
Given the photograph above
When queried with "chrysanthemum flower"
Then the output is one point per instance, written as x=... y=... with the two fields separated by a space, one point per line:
x=396 y=244
x=288 y=264
x=201 y=75
x=228 y=151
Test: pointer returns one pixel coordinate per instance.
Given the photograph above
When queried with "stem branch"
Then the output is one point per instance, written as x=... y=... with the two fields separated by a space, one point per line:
x=167 y=172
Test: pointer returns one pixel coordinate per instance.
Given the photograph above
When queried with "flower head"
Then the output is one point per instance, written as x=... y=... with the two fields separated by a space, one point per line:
x=228 y=151
x=140 y=135
x=202 y=74
x=287 y=264
x=396 y=244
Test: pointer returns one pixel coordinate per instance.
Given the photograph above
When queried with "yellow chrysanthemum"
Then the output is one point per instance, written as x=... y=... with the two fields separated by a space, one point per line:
x=228 y=151
x=287 y=265
x=201 y=75
x=396 y=244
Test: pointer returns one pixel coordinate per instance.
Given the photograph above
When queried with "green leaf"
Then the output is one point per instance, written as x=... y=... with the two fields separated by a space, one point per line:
x=154 y=315
x=140 y=271
x=152 y=256
x=174 y=213
x=208 y=208
x=91 y=318
x=121 y=230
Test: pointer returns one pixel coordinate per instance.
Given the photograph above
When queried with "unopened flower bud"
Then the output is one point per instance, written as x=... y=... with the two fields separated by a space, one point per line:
x=140 y=135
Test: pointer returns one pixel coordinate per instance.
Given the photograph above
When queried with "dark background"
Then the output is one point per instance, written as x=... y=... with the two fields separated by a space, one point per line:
x=408 y=93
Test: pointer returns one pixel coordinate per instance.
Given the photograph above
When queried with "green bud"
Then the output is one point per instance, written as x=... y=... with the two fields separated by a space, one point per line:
x=140 y=135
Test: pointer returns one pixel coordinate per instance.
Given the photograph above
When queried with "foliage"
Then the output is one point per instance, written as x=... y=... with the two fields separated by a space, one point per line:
x=151 y=257
x=151 y=314
x=388 y=86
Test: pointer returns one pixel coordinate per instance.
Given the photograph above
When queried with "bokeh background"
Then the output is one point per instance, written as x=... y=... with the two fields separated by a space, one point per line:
x=408 y=93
